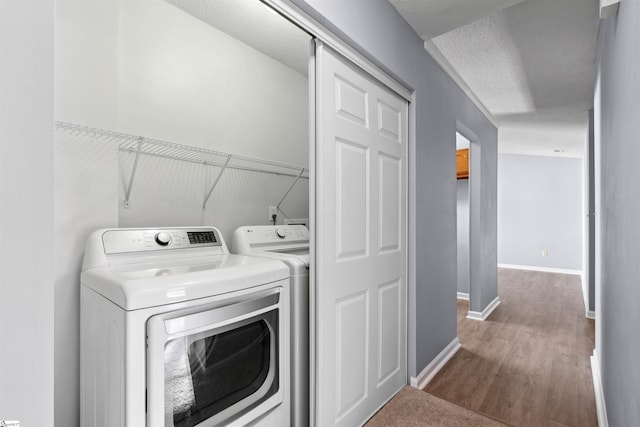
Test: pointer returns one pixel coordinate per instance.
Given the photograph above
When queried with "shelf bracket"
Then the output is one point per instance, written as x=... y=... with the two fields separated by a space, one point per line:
x=297 y=178
x=206 y=199
x=133 y=173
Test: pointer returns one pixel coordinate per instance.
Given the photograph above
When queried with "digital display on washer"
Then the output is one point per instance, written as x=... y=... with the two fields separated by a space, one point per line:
x=199 y=237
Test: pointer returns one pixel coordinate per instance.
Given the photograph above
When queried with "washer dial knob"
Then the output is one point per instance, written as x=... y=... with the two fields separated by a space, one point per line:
x=163 y=239
x=280 y=233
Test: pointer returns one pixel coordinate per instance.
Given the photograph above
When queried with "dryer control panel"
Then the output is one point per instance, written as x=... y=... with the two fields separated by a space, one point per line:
x=147 y=239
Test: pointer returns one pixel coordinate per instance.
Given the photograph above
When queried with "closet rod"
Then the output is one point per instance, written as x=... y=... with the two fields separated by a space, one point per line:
x=158 y=148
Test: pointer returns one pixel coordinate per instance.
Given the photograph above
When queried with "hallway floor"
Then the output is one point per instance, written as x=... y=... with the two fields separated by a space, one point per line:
x=528 y=363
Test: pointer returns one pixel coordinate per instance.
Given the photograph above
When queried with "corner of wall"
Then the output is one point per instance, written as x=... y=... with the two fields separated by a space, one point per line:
x=482 y=315
x=435 y=365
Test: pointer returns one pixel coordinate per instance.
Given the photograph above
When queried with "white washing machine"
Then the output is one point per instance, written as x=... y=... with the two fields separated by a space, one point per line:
x=176 y=331
x=288 y=243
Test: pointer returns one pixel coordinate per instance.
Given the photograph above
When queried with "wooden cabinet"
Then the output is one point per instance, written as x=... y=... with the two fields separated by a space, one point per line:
x=462 y=163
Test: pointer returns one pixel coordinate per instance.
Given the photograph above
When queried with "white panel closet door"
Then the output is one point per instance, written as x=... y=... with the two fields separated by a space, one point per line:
x=361 y=240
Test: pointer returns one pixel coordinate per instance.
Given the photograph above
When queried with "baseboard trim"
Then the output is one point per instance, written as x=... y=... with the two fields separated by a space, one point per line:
x=435 y=365
x=601 y=408
x=477 y=315
x=543 y=269
x=463 y=295
x=591 y=314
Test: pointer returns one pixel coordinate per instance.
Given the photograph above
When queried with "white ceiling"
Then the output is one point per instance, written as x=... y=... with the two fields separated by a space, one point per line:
x=531 y=63
x=256 y=25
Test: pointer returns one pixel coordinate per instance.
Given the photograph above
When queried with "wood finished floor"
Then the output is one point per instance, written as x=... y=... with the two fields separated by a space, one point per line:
x=528 y=363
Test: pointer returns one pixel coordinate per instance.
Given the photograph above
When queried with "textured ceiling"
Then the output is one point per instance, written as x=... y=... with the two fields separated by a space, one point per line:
x=532 y=64
x=431 y=18
x=256 y=25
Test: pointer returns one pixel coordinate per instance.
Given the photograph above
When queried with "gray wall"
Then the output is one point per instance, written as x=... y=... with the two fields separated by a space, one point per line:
x=483 y=227
x=617 y=291
x=439 y=109
x=462 y=214
x=540 y=208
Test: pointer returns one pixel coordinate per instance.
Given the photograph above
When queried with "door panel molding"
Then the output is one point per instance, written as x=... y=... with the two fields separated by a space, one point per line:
x=361 y=242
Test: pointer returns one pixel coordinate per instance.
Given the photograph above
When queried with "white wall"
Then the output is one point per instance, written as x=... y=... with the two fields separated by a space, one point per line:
x=146 y=67
x=26 y=212
x=540 y=208
x=86 y=173
x=462 y=213
x=183 y=81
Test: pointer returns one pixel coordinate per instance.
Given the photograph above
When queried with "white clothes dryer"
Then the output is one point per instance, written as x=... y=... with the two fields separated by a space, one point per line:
x=288 y=243
x=176 y=331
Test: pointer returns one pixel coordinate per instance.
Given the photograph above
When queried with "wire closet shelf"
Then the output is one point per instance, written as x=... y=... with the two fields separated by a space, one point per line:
x=140 y=145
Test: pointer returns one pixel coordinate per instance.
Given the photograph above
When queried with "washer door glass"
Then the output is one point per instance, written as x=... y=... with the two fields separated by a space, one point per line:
x=204 y=375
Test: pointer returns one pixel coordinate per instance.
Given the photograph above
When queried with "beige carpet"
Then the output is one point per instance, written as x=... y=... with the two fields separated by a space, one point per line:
x=412 y=407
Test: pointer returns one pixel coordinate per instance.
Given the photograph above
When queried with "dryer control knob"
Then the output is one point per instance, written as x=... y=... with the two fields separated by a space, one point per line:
x=163 y=239
x=280 y=233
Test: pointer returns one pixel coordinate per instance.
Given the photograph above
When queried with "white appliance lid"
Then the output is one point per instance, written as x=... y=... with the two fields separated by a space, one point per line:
x=158 y=273
x=135 y=288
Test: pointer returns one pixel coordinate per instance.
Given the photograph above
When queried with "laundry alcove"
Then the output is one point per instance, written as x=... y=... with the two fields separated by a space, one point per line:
x=165 y=73
x=170 y=71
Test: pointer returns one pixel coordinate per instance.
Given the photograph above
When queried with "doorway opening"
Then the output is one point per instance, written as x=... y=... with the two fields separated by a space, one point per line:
x=463 y=146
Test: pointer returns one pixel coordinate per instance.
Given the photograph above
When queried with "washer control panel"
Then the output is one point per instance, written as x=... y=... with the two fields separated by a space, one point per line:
x=279 y=233
x=269 y=237
x=148 y=239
